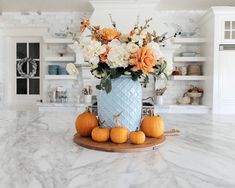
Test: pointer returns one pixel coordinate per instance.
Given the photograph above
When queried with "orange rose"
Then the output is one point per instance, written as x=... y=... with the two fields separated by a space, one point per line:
x=143 y=60
x=108 y=34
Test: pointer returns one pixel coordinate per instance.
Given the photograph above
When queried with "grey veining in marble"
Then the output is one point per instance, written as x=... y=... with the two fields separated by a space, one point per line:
x=36 y=151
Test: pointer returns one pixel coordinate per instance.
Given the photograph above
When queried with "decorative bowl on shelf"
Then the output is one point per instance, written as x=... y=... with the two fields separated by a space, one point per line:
x=194 y=70
x=195 y=96
x=189 y=54
x=60 y=35
x=187 y=34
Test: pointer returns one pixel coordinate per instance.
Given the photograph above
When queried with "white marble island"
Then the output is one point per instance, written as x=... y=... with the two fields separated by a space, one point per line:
x=36 y=151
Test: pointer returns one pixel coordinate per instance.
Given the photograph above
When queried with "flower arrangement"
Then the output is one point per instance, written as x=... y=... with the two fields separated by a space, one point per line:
x=113 y=54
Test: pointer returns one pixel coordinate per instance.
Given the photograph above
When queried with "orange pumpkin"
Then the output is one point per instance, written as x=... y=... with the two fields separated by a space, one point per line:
x=100 y=134
x=85 y=122
x=119 y=133
x=137 y=137
x=153 y=126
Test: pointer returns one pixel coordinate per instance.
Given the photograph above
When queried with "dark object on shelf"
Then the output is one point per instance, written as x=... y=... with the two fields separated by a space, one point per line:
x=62 y=71
x=176 y=72
x=146 y=107
x=53 y=69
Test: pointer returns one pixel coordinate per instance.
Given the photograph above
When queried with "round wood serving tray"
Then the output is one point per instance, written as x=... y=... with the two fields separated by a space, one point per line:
x=87 y=142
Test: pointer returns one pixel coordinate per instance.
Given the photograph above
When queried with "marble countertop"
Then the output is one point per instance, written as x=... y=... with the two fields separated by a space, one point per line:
x=36 y=151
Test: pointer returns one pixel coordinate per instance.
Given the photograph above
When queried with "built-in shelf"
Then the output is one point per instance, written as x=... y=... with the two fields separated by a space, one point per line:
x=60 y=77
x=187 y=109
x=188 y=77
x=189 y=59
x=188 y=40
x=60 y=59
x=84 y=65
x=58 y=41
x=69 y=107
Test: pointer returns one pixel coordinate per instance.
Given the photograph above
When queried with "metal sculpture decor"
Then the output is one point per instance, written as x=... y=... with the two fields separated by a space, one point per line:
x=27 y=60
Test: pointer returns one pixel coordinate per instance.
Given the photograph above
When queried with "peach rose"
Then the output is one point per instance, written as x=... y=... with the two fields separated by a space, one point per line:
x=143 y=60
x=108 y=34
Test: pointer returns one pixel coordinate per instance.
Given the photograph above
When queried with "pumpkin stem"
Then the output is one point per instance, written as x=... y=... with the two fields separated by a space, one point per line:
x=101 y=124
x=137 y=129
x=116 y=118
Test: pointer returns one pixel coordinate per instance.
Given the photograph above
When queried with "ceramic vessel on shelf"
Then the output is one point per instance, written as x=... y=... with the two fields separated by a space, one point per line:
x=195 y=96
x=87 y=99
x=159 y=100
x=125 y=97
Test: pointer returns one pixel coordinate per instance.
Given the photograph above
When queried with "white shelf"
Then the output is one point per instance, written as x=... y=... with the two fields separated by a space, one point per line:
x=58 y=41
x=64 y=58
x=187 y=109
x=60 y=77
x=188 y=40
x=189 y=59
x=188 y=77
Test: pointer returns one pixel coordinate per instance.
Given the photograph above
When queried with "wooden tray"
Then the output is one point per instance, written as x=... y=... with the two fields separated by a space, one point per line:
x=150 y=144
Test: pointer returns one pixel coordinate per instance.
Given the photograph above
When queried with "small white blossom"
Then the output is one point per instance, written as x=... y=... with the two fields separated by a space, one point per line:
x=132 y=47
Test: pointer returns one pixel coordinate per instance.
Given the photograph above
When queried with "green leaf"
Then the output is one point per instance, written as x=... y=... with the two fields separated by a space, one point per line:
x=108 y=85
x=99 y=87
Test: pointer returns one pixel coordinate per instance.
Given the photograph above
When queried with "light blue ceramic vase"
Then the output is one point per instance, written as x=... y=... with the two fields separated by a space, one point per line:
x=125 y=97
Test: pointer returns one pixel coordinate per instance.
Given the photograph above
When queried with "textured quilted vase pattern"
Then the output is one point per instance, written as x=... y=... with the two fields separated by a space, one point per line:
x=126 y=97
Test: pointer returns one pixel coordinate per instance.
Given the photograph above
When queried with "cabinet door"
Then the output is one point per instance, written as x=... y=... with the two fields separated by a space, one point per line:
x=226 y=77
x=228 y=31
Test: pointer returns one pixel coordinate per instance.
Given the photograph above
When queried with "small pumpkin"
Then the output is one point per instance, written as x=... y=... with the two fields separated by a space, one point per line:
x=137 y=137
x=119 y=133
x=85 y=122
x=100 y=133
x=153 y=126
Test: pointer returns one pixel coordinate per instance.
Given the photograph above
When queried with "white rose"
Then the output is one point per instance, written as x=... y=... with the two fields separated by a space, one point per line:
x=132 y=47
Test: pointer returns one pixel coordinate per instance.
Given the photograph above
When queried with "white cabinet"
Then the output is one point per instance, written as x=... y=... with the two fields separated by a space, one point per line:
x=219 y=28
x=226 y=90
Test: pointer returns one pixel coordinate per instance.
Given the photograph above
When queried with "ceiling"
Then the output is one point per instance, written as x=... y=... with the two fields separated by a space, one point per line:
x=83 y=5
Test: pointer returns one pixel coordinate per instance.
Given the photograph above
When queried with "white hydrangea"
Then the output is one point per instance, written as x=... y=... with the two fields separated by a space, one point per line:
x=118 y=56
x=156 y=50
x=114 y=42
x=132 y=47
x=91 y=50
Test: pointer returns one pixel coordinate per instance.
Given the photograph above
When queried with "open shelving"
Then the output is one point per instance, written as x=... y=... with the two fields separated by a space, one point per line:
x=195 y=78
x=179 y=40
x=186 y=109
x=60 y=59
x=189 y=59
x=60 y=77
x=50 y=40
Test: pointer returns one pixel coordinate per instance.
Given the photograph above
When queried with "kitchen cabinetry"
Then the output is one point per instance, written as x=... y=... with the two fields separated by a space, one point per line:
x=218 y=25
